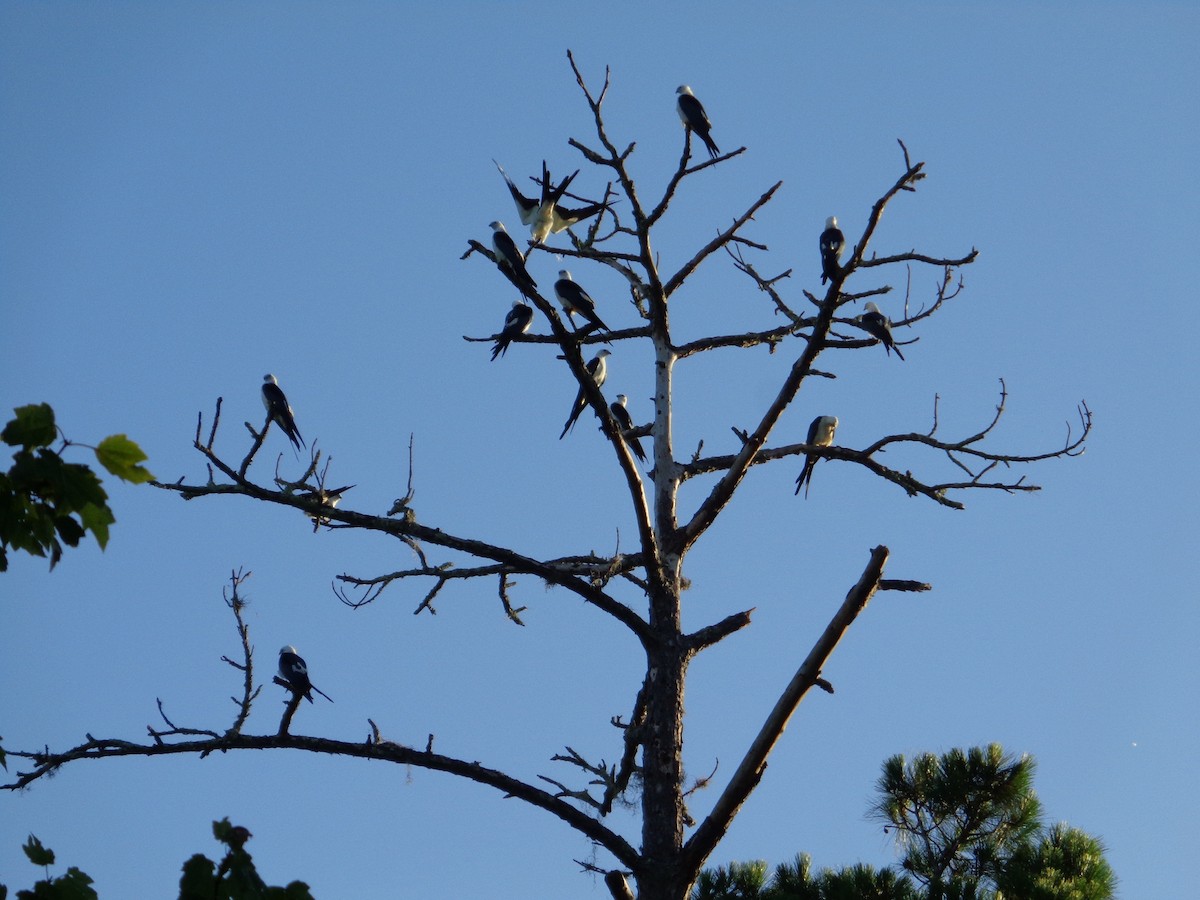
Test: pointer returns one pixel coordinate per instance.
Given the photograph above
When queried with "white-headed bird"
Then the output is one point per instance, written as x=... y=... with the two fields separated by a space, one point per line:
x=820 y=434
x=598 y=369
x=694 y=118
x=833 y=242
x=518 y=320
x=279 y=410
x=876 y=324
x=510 y=258
x=293 y=670
x=574 y=299
x=621 y=414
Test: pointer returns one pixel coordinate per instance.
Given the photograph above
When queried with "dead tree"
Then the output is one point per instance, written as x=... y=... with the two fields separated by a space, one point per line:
x=640 y=590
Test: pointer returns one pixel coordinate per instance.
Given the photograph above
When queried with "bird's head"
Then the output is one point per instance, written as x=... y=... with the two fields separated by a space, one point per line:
x=566 y=274
x=497 y=226
x=271 y=379
x=288 y=649
x=603 y=354
x=872 y=308
x=684 y=89
x=622 y=399
x=831 y=222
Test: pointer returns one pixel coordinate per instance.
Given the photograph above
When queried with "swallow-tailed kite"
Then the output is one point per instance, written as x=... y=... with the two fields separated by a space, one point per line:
x=692 y=114
x=293 y=670
x=833 y=242
x=878 y=325
x=509 y=257
x=518 y=320
x=326 y=498
x=279 y=411
x=625 y=423
x=598 y=369
x=820 y=434
x=575 y=299
x=546 y=215
x=543 y=219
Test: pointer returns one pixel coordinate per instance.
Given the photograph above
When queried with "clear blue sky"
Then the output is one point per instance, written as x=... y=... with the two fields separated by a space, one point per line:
x=192 y=195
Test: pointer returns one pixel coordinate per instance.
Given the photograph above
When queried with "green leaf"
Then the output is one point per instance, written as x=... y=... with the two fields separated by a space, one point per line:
x=69 y=530
x=33 y=427
x=67 y=486
x=97 y=519
x=38 y=855
x=121 y=456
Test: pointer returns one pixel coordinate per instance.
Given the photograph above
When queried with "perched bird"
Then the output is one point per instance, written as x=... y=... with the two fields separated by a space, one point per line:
x=694 y=118
x=510 y=258
x=575 y=299
x=625 y=423
x=325 y=498
x=876 y=324
x=820 y=434
x=598 y=369
x=546 y=215
x=518 y=320
x=279 y=411
x=833 y=242
x=543 y=216
x=293 y=670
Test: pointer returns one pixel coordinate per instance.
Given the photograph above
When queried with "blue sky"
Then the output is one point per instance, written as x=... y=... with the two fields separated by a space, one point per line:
x=193 y=195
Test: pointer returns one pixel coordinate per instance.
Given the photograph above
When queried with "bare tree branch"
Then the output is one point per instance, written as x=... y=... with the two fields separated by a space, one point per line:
x=708 y=636
x=1072 y=446
x=721 y=240
x=632 y=741
x=237 y=603
x=46 y=763
x=754 y=763
x=409 y=530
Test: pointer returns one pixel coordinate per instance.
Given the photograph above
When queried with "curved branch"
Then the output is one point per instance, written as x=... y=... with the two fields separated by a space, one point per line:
x=46 y=763
x=913 y=256
x=683 y=170
x=772 y=338
x=592 y=337
x=596 y=569
x=719 y=241
x=407 y=529
x=913 y=173
x=753 y=443
x=754 y=763
x=1072 y=446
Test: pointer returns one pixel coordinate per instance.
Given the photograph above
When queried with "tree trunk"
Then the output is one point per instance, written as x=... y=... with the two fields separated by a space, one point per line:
x=663 y=808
